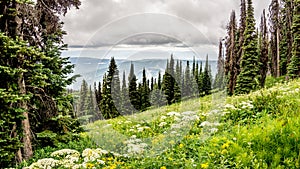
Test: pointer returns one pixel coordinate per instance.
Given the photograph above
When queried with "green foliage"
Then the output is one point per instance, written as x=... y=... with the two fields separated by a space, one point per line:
x=294 y=66
x=132 y=89
x=259 y=130
x=248 y=78
x=169 y=81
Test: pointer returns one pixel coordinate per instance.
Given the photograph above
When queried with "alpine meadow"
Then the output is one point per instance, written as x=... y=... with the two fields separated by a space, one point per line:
x=156 y=84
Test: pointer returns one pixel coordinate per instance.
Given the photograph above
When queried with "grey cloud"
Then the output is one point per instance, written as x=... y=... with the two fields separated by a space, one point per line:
x=110 y=22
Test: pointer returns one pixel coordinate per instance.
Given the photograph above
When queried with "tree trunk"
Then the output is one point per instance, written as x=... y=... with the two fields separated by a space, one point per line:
x=277 y=52
x=27 y=149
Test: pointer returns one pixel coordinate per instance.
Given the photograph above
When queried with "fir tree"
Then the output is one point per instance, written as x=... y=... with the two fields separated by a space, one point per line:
x=132 y=90
x=126 y=106
x=294 y=66
x=275 y=37
x=169 y=81
x=286 y=43
x=219 y=82
x=187 y=81
x=231 y=55
x=144 y=92
x=83 y=99
x=206 y=79
x=248 y=78
x=263 y=50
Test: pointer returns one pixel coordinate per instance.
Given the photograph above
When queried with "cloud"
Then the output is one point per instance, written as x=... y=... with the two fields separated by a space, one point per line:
x=151 y=22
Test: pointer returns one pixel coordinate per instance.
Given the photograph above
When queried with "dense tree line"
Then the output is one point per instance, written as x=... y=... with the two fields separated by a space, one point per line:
x=253 y=53
x=139 y=95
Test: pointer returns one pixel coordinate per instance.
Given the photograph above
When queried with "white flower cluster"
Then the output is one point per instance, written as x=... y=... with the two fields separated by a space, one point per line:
x=173 y=114
x=135 y=146
x=139 y=128
x=91 y=155
x=246 y=105
x=65 y=152
x=46 y=163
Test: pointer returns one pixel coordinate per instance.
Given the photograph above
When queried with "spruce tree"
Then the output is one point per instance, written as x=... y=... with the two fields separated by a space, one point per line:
x=145 y=92
x=219 y=82
x=82 y=109
x=206 y=79
x=111 y=92
x=187 y=90
x=231 y=55
x=132 y=90
x=294 y=65
x=286 y=43
x=248 y=78
x=126 y=105
x=274 y=10
x=263 y=50
x=169 y=81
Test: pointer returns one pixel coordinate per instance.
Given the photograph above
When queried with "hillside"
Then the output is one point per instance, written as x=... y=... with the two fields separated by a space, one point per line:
x=259 y=130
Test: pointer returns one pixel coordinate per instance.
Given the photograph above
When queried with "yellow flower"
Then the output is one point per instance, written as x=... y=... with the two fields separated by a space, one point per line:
x=89 y=165
x=109 y=158
x=224 y=151
x=163 y=167
x=181 y=145
x=225 y=145
x=170 y=158
x=204 y=165
x=113 y=166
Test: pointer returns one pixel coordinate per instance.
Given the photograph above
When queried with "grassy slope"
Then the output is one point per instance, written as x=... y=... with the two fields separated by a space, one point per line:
x=259 y=130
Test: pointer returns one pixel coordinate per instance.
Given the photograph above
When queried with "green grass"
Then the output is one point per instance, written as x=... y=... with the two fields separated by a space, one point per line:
x=258 y=130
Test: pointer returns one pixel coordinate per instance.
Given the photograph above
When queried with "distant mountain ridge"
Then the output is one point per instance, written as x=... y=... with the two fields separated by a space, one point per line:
x=93 y=69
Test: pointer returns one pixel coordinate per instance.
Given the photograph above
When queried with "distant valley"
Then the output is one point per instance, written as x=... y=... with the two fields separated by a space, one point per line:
x=93 y=69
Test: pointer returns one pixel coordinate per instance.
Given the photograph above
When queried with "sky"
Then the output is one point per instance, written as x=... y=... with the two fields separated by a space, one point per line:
x=145 y=29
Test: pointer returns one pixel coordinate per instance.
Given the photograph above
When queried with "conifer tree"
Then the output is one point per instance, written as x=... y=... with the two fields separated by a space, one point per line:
x=275 y=37
x=187 y=81
x=126 y=105
x=169 y=81
x=240 y=39
x=82 y=111
x=159 y=81
x=248 y=78
x=294 y=65
x=144 y=92
x=286 y=43
x=219 y=82
x=42 y=75
x=132 y=90
x=231 y=55
x=263 y=50
x=111 y=96
x=206 y=79
x=200 y=81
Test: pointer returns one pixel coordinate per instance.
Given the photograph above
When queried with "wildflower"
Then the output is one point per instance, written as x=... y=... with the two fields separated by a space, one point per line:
x=224 y=152
x=109 y=158
x=114 y=166
x=225 y=145
x=181 y=145
x=163 y=117
x=213 y=130
x=163 y=167
x=100 y=162
x=173 y=114
x=65 y=152
x=89 y=165
x=204 y=165
x=162 y=124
